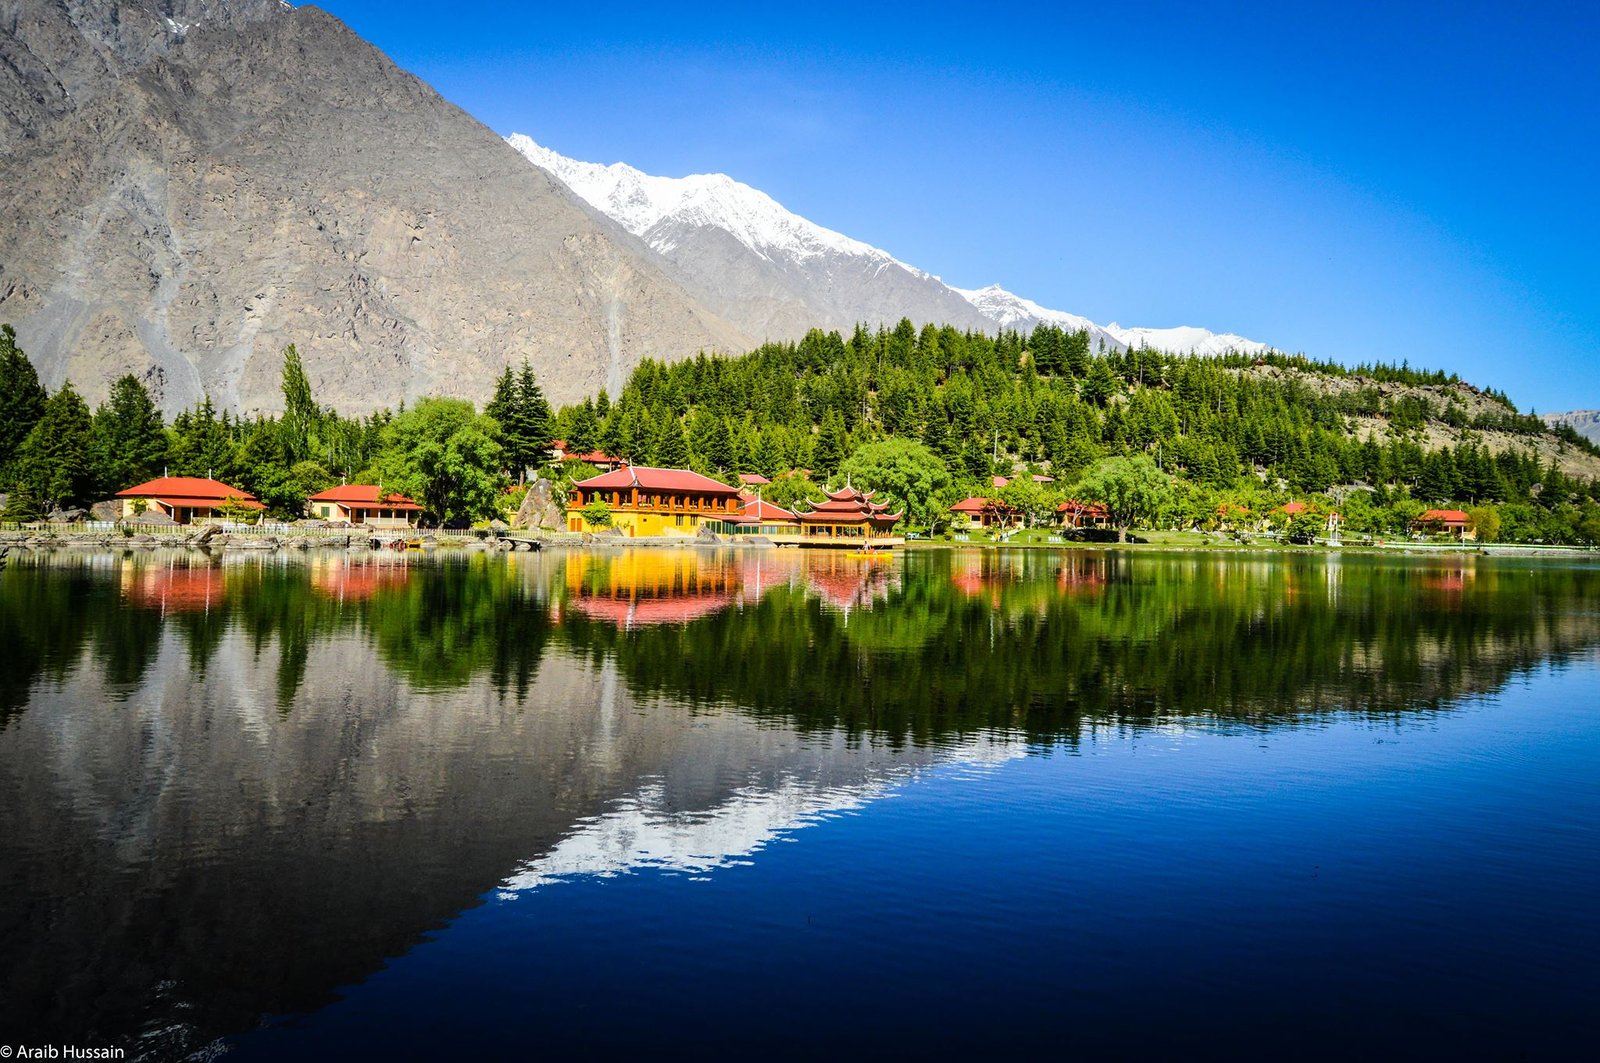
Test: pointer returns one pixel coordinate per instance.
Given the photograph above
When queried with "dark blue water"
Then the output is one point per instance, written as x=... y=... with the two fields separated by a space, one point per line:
x=610 y=854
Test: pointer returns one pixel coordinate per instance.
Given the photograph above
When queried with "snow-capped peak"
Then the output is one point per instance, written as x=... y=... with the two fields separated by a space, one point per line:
x=1186 y=339
x=1013 y=311
x=640 y=202
x=662 y=211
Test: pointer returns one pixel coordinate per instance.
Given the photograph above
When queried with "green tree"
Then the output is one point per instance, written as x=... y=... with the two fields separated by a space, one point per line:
x=671 y=449
x=1029 y=498
x=301 y=417
x=597 y=513
x=829 y=451
x=520 y=409
x=1133 y=491
x=56 y=459
x=909 y=473
x=22 y=505
x=22 y=398
x=444 y=454
x=1485 y=521
x=130 y=444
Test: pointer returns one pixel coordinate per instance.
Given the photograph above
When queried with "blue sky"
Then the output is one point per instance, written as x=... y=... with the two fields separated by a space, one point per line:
x=1358 y=182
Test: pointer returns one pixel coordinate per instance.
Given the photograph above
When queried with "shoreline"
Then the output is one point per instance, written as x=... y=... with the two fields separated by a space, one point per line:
x=377 y=541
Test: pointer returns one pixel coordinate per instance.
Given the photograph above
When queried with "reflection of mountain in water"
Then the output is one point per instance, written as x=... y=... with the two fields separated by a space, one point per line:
x=229 y=790
x=190 y=859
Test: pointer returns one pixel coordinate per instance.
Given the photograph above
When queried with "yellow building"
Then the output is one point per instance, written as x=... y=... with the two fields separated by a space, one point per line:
x=646 y=501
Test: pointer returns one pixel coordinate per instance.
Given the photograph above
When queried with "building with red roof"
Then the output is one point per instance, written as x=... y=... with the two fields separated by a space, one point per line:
x=184 y=499
x=649 y=501
x=988 y=512
x=759 y=517
x=847 y=514
x=1455 y=521
x=1075 y=514
x=360 y=504
x=753 y=479
x=596 y=458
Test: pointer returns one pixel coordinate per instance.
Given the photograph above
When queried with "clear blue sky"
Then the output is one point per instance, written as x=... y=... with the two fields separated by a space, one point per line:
x=1357 y=182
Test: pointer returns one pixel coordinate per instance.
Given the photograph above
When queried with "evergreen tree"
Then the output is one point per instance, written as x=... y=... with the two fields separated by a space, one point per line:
x=22 y=398
x=671 y=450
x=130 y=444
x=56 y=459
x=301 y=417
x=829 y=451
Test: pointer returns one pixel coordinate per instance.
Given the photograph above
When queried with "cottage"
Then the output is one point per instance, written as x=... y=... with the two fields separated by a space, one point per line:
x=1453 y=521
x=598 y=459
x=987 y=512
x=647 y=501
x=848 y=514
x=1075 y=514
x=360 y=504
x=757 y=517
x=184 y=499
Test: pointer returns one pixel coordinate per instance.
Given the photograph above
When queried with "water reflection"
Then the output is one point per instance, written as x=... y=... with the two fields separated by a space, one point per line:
x=230 y=786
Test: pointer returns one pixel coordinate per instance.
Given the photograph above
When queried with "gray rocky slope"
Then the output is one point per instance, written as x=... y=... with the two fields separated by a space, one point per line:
x=186 y=186
x=1586 y=422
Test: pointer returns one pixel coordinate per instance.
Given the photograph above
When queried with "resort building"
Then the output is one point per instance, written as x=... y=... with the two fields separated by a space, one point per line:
x=647 y=501
x=598 y=459
x=757 y=517
x=1075 y=514
x=360 y=504
x=1454 y=521
x=848 y=514
x=183 y=499
x=987 y=512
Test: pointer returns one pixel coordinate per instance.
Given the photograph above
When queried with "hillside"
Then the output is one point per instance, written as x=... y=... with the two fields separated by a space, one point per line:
x=188 y=187
x=1585 y=422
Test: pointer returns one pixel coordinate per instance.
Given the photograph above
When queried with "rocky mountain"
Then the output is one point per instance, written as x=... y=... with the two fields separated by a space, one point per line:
x=186 y=186
x=776 y=274
x=766 y=269
x=1586 y=422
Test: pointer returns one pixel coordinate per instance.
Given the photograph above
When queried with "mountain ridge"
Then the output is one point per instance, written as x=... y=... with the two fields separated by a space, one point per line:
x=670 y=212
x=191 y=186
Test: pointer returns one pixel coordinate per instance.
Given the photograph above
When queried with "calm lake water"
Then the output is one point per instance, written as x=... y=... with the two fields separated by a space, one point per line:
x=800 y=804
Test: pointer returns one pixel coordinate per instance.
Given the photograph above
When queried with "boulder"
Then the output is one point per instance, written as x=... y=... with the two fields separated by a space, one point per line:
x=68 y=516
x=539 y=507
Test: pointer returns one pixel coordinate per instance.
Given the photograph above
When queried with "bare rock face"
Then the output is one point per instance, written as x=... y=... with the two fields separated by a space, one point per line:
x=188 y=186
x=539 y=508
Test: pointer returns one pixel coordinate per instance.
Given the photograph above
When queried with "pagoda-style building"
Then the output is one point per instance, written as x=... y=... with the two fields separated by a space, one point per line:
x=848 y=514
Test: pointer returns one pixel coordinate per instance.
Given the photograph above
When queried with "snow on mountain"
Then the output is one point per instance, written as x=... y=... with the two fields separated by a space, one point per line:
x=1186 y=339
x=777 y=274
x=640 y=202
x=1013 y=311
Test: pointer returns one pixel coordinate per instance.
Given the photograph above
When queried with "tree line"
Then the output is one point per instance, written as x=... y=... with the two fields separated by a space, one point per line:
x=927 y=416
x=55 y=453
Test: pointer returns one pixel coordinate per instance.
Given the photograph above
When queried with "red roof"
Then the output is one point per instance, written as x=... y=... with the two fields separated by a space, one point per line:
x=1093 y=509
x=1000 y=481
x=753 y=478
x=757 y=511
x=656 y=480
x=975 y=504
x=1292 y=508
x=190 y=490
x=364 y=495
x=1445 y=516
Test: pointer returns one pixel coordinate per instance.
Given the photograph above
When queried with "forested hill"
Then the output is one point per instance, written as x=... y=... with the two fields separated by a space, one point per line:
x=1228 y=428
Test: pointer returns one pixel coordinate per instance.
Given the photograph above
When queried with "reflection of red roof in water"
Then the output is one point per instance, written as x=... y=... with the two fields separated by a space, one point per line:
x=179 y=589
x=847 y=582
x=349 y=580
x=643 y=612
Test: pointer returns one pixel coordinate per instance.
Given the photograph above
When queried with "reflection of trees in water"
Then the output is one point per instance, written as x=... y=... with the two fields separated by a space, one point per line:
x=1038 y=641
x=936 y=641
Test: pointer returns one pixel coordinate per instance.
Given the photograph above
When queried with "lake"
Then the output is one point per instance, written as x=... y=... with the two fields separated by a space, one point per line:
x=1100 y=803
